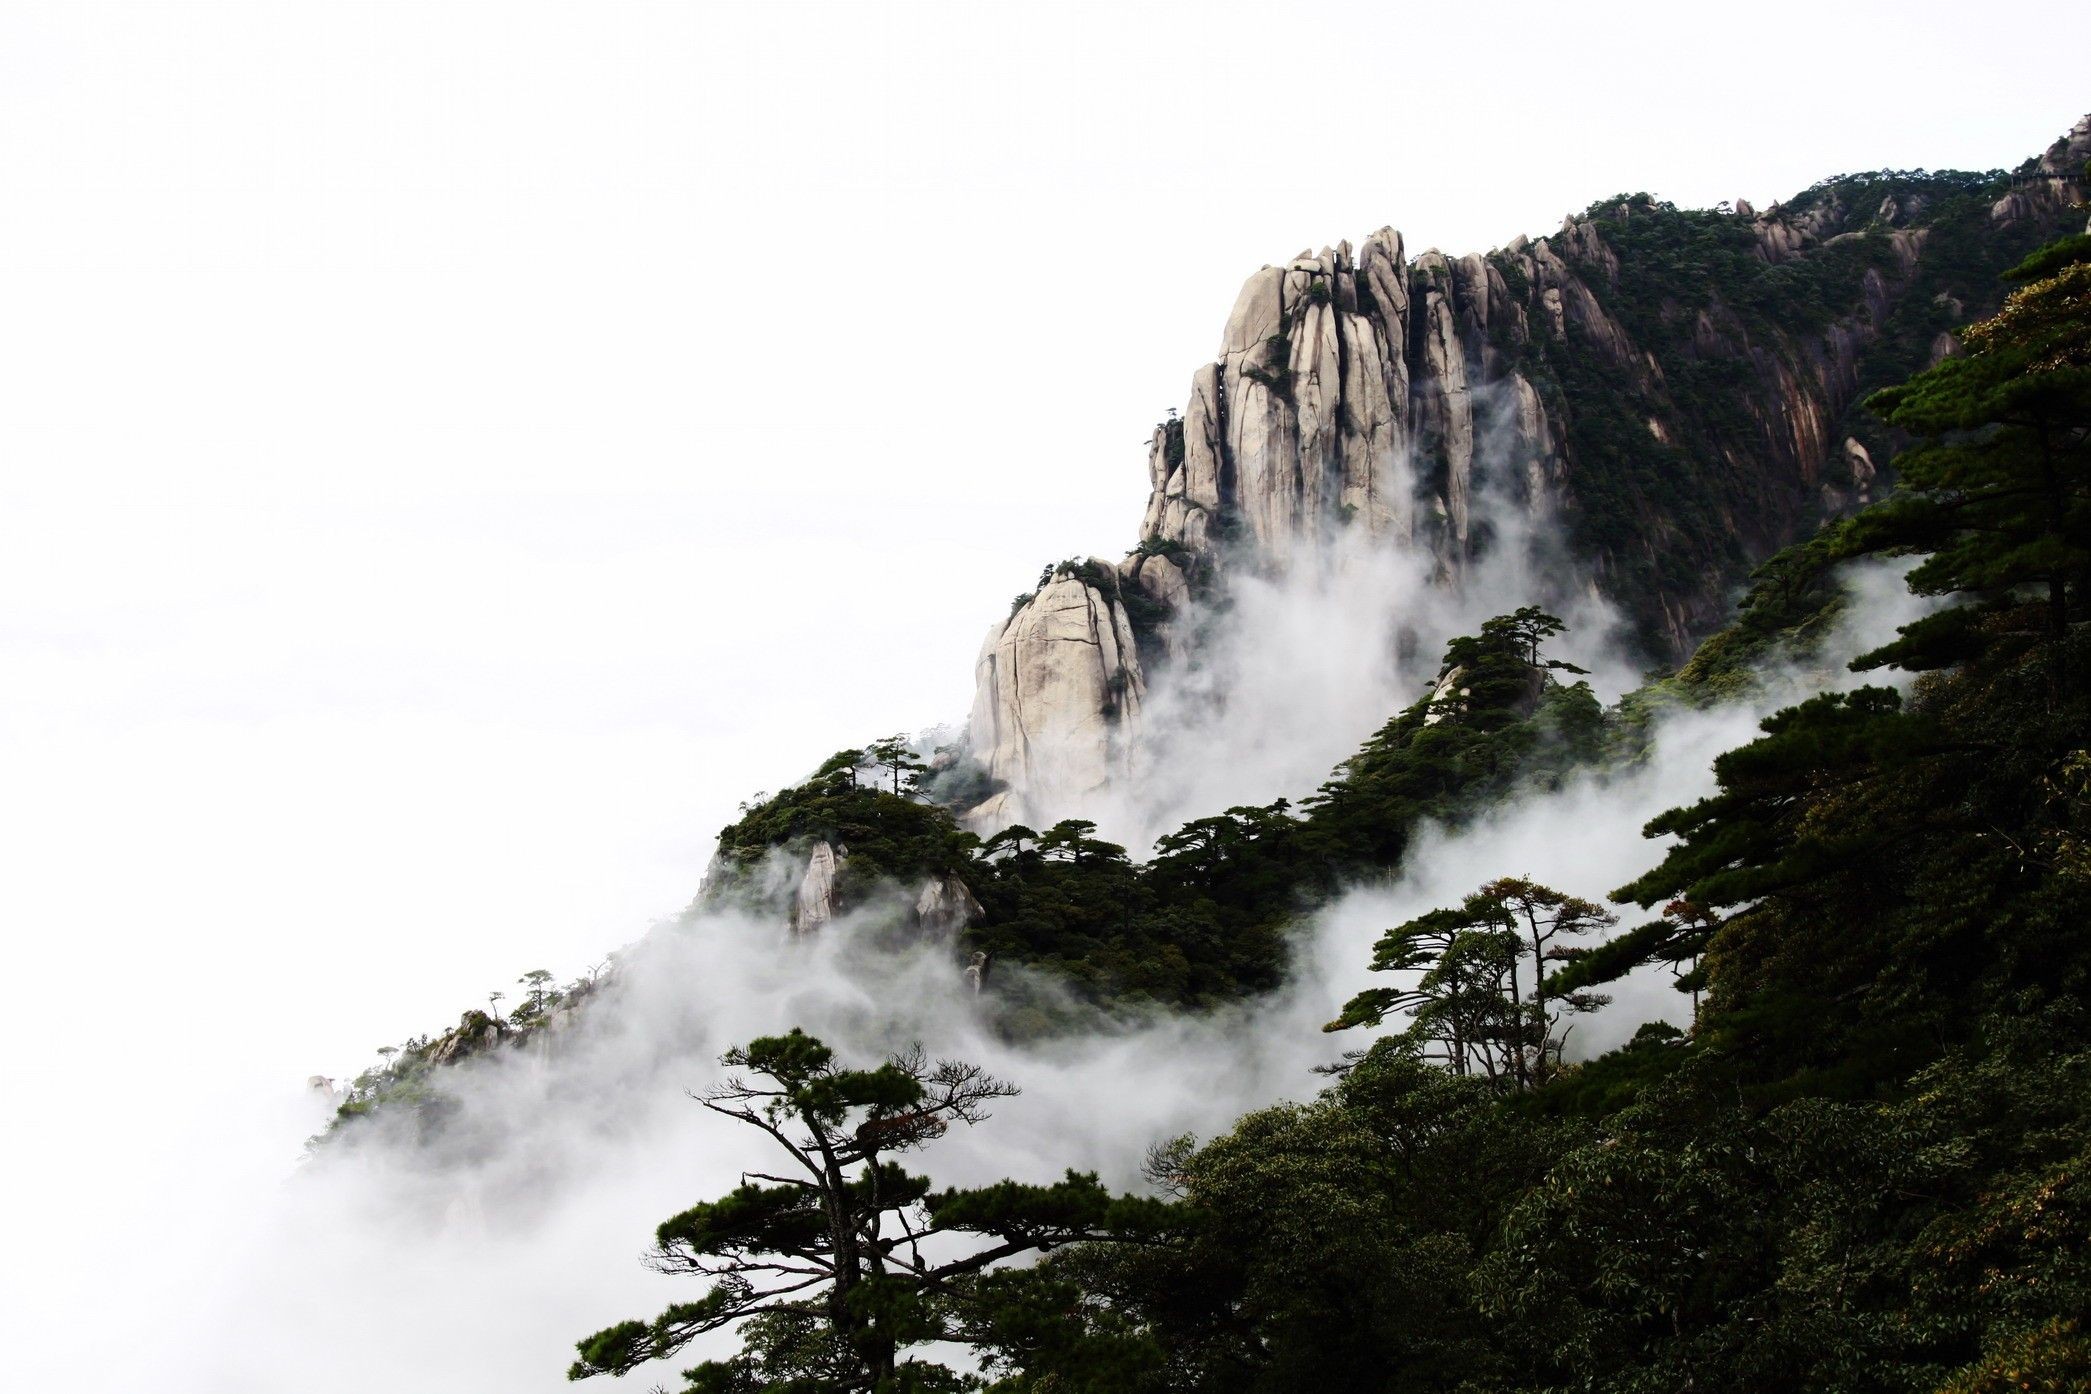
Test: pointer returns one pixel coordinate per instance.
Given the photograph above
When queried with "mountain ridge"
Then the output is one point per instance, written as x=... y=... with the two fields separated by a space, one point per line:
x=1680 y=387
x=835 y=856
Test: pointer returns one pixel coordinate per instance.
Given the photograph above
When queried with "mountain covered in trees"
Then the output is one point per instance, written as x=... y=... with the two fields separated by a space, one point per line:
x=1856 y=1160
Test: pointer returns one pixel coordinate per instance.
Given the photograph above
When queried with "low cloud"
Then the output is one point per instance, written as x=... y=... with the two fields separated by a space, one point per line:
x=477 y=1258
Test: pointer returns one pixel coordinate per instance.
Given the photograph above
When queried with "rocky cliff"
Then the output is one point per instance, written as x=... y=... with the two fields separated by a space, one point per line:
x=1058 y=690
x=1680 y=390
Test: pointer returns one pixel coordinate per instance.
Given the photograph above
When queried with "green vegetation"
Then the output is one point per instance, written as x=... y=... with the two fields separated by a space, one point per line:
x=1205 y=920
x=1155 y=545
x=1793 y=604
x=889 y=836
x=1670 y=477
x=1663 y=250
x=1864 y=1167
x=1468 y=1007
x=1925 y=821
x=404 y=1084
x=823 y=1270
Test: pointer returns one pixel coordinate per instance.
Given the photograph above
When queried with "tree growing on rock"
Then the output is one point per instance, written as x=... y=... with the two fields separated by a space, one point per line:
x=833 y=1271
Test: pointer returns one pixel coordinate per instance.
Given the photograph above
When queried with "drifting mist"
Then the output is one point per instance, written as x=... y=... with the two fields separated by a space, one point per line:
x=480 y=1256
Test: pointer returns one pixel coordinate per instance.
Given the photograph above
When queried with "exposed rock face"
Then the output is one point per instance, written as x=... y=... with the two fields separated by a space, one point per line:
x=1058 y=694
x=1334 y=373
x=1686 y=420
x=1366 y=389
x=1388 y=392
x=945 y=907
x=1842 y=496
x=813 y=903
x=2054 y=186
x=1445 y=695
x=475 y=1032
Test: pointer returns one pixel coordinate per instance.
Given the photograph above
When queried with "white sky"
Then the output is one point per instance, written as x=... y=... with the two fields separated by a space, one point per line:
x=450 y=454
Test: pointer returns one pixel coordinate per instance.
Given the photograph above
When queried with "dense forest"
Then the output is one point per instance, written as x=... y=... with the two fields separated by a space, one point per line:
x=1862 y=1167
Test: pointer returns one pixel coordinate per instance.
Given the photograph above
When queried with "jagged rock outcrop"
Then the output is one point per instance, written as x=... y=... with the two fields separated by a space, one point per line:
x=1371 y=390
x=1683 y=388
x=475 y=1032
x=1336 y=373
x=1058 y=693
x=2053 y=186
x=813 y=903
x=946 y=907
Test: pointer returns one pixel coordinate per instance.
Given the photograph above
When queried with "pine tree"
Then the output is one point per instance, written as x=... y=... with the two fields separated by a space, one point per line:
x=1468 y=1004
x=895 y=756
x=835 y=1269
x=1997 y=493
x=1865 y=819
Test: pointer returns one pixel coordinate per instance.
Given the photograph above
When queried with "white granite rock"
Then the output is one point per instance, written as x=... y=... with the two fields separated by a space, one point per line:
x=813 y=904
x=1057 y=697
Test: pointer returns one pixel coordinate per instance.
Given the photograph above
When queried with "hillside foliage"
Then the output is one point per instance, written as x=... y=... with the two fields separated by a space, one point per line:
x=1864 y=1167
x=1668 y=470
x=1861 y=1167
x=1204 y=920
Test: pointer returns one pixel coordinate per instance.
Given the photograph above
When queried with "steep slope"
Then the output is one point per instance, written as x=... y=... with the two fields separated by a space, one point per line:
x=1065 y=680
x=1059 y=689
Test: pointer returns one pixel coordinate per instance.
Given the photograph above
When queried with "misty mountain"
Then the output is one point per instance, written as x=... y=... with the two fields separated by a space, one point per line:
x=1676 y=393
x=1764 y=535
